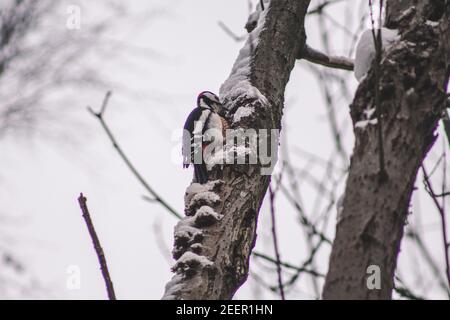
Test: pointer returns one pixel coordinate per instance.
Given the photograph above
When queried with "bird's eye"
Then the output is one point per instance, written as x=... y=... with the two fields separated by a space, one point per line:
x=215 y=100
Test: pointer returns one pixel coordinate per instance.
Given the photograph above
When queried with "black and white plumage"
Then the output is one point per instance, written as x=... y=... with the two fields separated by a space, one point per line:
x=204 y=117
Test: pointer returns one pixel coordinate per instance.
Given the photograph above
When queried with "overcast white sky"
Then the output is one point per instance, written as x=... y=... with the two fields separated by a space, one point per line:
x=171 y=56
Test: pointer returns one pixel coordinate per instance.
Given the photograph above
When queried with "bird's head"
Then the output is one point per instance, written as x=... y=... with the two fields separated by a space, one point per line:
x=210 y=101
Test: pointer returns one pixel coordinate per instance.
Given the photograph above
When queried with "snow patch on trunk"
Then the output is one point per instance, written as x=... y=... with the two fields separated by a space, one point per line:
x=362 y=124
x=368 y=113
x=238 y=83
x=197 y=192
x=207 y=197
x=189 y=262
x=432 y=23
x=243 y=112
x=230 y=155
x=206 y=216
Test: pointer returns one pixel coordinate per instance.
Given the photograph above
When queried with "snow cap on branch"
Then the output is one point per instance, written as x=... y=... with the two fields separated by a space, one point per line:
x=365 y=50
x=238 y=83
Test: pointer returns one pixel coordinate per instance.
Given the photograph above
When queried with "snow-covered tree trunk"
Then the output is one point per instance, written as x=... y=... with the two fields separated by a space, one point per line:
x=413 y=80
x=213 y=244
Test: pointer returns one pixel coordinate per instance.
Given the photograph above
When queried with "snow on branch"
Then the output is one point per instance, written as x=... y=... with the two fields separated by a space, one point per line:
x=238 y=83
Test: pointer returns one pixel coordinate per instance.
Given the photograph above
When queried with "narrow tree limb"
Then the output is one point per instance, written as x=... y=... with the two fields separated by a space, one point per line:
x=446 y=122
x=430 y=190
x=405 y=292
x=312 y=230
x=230 y=33
x=336 y=62
x=414 y=236
x=320 y=8
x=97 y=247
x=261 y=3
x=300 y=269
x=275 y=243
x=377 y=42
x=129 y=164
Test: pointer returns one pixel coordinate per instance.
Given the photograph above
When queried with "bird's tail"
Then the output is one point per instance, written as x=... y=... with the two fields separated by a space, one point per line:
x=200 y=173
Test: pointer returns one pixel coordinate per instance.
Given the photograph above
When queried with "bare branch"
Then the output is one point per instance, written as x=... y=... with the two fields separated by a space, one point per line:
x=319 y=8
x=336 y=62
x=303 y=218
x=415 y=236
x=446 y=121
x=97 y=247
x=275 y=242
x=288 y=265
x=430 y=191
x=153 y=193
x=405 y=292
x=378 y=112
x=230 y=33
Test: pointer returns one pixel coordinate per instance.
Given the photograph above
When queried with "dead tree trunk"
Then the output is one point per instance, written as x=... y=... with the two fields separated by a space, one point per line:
x=213 y=244
x=413 y=80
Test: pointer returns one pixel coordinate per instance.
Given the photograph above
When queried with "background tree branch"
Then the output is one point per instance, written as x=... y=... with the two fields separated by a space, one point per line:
x=413 y=82
x=97 y=246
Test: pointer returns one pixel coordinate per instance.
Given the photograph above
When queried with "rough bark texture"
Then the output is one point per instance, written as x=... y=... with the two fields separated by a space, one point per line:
x=414 y=78
x=227 y=243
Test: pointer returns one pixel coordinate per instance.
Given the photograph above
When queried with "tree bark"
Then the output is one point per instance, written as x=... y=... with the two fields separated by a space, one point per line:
x=213 y=258
x=413 y=83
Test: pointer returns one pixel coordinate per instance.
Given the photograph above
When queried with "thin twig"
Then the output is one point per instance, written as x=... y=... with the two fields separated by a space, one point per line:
x=446 y=121
x=261 y=2
x=414 y=235
x=97 y=247
x=341 y=26
x=303 y=218
x=230 y=33
x=275 y=242
x=155 y=196
x=378 y=112
x=319 y=9
x=430 y=191
x=294 y=185
x=330 y=102
x=307 y=262
x=444 y=194
x=149 y=199
x=288 y=265
x=405 y=292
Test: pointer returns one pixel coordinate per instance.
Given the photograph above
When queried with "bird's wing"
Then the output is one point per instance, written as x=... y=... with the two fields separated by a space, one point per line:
x=190 y=147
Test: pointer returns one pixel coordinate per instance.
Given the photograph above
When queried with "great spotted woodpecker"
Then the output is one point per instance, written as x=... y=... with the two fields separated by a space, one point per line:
x=204 y=117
